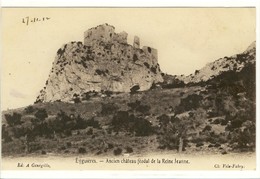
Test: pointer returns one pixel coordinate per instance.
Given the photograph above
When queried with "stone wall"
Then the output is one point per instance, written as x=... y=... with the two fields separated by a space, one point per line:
x=121 y=37
x=105 y=33
x=100 y=33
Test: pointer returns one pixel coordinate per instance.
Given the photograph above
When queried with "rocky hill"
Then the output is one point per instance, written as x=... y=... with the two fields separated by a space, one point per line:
x=104 y=62
x=217 y=116
x=211 y=111
x=234 y=63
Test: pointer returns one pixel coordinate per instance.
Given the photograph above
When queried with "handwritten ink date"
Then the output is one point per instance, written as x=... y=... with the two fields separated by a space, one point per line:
x=28 y=20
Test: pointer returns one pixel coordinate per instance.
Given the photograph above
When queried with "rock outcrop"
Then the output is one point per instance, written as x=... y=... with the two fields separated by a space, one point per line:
x=104 y=62
x=213 y=69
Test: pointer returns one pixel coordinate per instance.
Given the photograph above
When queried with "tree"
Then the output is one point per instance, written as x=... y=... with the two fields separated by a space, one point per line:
x=123 y=121
x=14 y=119
x=138 y=107
x=174 y=134
x=191 y=102
x=142 y=127
x=29 y=110
x=5 y=134
x=80 y=123
x=41 y=114
x=77 y=100
x=120 y=121
x=175 y=131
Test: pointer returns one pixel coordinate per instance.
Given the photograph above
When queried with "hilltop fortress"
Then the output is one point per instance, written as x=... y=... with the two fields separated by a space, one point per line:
x=104 y=62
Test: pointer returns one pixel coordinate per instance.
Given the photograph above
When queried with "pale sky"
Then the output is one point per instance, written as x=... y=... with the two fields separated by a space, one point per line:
x=186 y=39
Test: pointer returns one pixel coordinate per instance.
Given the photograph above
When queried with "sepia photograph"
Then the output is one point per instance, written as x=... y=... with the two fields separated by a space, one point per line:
x=128 y=89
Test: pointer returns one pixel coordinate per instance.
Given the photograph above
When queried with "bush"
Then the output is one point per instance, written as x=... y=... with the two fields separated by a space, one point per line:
x=65 y=124
x=57 y=125
x=171 y=82
x=224 y=122
x=80 y=123
x=122 y=121
x=142 y=127
x=108 y=108
x=129 y=149
x=169 y=141
x=138 y=107
x=212 y=114
x=62 y=148
x=63 y=117
x=110 y=146
x=174 y=132
x=82 y=150
x=134 y=105
x=42 y=129
x=153 y=69
x=117 y=151
x=163 y=120
x=8 y=139
x=100 y=72
x=34 y=146
x=90 y=132
x=108 y=93
x=217 y=145
x=214 y=138
x=44 y=152
x=86 y=96
x=210 y=145
x=147 y=65
x=93 y=123
x=99 y=152
x=5 y=135
x=14 y=119
x=77 y=100
x=224 y=152
x=191 y=102
x=41 y=114
x=245 y=136
x=19 y=131
x=199 y=144
x=207 y=128
x=29 y=110
x=68 y=144
x=143 y=109
x=239 y=118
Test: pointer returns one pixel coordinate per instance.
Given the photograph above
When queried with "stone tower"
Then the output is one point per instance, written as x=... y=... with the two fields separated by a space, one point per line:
x=136 y=42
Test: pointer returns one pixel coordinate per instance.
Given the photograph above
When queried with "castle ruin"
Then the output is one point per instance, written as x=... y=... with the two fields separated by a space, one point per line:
x=103 y=62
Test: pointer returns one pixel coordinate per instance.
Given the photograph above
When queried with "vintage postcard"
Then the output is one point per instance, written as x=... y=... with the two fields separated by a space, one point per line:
x=166 y=89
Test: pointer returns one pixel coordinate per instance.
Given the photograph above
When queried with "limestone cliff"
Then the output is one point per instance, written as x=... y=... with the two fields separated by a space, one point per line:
x=235 y=63
x=104 y=62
